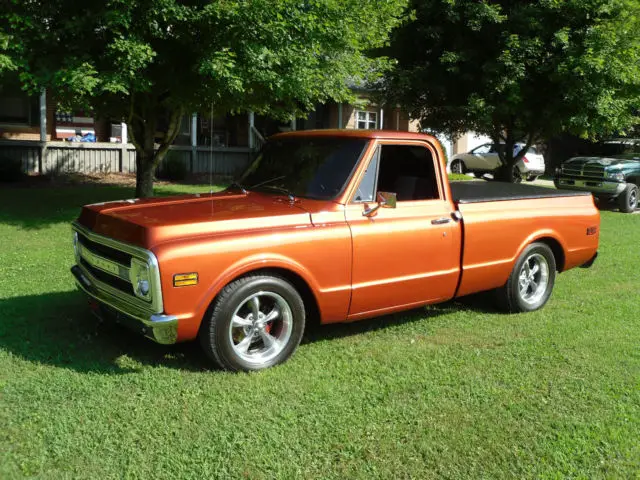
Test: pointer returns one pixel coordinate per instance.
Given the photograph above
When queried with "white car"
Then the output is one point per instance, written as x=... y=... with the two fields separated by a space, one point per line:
x=484 y=159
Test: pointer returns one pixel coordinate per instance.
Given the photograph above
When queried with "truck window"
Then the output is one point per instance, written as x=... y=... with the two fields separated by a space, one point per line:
x=311 y=167
x=367 y=188
x=406 y=170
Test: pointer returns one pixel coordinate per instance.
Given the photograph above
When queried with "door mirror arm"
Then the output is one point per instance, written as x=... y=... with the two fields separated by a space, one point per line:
x=385 y=200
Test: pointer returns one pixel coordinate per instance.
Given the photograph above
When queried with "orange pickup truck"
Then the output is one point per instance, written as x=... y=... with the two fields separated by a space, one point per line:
x=336 y=225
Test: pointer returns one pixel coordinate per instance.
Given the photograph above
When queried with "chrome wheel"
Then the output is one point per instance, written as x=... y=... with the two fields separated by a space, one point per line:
x=533 y=279
x=633 y=199
x=261 y=327
x=457 y=167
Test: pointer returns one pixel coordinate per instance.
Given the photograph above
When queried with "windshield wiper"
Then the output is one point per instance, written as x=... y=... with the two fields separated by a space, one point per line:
x=264 y=184
x=238 y=186
x=267 y=181
x=292 y=197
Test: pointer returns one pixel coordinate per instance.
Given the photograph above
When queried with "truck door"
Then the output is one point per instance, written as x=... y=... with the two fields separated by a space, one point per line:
x=408 y=255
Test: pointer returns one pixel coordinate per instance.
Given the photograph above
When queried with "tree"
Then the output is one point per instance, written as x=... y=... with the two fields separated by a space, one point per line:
x=519 y=70
x=148 y=62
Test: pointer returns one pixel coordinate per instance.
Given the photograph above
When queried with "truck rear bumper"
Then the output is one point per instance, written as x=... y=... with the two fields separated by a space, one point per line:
x=159 y=328
x=597 y=187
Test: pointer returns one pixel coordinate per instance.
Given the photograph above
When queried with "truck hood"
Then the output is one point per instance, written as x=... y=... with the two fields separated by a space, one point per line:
x=601 y=162
x=148 y=222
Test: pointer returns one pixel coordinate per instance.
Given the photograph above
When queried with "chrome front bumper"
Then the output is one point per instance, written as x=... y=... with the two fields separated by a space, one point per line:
x=159 y=328
x=598 y=187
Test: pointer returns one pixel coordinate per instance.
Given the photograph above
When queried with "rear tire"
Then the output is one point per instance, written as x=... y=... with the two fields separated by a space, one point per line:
x=256 y=322
x=517 y=175
x=628 y=200
x=531 y=281
x=458 y=166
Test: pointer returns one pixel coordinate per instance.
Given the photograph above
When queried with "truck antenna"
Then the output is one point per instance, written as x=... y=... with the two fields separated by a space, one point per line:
x=211 y=151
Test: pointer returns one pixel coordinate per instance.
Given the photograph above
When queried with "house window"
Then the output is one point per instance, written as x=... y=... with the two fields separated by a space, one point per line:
x=185 y=125
x=366 y=120
x=16 y=107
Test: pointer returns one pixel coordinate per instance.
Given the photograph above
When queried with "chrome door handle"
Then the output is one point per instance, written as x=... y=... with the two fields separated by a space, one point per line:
x=440 y=221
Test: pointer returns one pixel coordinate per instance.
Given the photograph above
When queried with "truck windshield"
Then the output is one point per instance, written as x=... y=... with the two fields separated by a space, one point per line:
x=311 y=167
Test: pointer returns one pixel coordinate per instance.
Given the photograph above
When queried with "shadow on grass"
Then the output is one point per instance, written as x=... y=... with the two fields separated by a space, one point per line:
x=612 y=206
x=58 y=329
x=40 y=205
x=480 y=303
x=36 y=208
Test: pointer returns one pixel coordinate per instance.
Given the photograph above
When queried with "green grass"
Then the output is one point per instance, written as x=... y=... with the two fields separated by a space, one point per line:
x=455 y=177
x=451 y=391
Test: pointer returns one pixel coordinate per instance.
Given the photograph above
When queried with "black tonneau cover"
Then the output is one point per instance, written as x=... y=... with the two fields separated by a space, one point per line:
x=483 y=191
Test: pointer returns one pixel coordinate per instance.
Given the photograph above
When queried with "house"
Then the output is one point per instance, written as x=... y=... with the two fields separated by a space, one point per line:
x=34 y=129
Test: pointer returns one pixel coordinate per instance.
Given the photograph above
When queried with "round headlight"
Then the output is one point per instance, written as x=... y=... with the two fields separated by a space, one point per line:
x=143 y=287
x=139 y=276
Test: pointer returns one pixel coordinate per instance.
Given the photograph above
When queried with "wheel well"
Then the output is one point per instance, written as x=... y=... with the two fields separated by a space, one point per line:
x=312 y=309
x=556 y=248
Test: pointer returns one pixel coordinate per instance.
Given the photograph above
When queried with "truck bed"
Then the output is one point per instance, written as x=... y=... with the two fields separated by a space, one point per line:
x=483 y=191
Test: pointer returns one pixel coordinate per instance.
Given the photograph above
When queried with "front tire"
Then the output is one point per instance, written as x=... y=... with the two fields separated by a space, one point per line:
x=531 y=281
x=256 y=322
x=628 y=200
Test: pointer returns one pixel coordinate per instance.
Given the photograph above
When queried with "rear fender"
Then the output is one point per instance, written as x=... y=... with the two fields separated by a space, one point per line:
x=542 y=235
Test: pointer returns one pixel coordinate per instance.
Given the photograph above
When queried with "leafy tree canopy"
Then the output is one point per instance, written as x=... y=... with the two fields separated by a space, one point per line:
x=142 y=60
x=519 y=70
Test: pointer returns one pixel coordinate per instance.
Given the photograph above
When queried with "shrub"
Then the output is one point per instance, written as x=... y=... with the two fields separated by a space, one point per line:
x=10 y=169
x=173 y=169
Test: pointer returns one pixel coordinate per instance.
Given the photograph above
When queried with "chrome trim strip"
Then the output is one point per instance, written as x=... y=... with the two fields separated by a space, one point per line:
x=156 y=305
x=109 y=266
x=158 y=327
x=110 y=242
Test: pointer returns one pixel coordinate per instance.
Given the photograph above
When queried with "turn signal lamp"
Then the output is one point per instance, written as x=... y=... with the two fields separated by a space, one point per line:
x=185 y=279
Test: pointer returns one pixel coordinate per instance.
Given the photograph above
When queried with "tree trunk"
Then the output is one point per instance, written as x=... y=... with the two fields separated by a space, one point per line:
x=142 y=133
x=507 y=172
x=145 y=167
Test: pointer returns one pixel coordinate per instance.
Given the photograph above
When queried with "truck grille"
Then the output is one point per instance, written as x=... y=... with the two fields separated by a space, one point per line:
x=111 y=280
x=118 y=256
x=584 y=171
x=108 y=262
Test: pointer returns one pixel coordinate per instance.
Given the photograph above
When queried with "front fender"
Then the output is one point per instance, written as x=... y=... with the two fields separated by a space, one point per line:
x=319 y=255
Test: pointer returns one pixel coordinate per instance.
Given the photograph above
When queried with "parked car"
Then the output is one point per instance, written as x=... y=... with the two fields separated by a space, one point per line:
x=485 y=159
x=335 y=225
x=615 y=178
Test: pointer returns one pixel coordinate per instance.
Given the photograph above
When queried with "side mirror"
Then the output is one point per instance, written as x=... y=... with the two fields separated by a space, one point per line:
x=385 y=200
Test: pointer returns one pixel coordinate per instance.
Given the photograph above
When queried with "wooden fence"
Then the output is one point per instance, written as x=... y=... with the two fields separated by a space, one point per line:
x=53 y=158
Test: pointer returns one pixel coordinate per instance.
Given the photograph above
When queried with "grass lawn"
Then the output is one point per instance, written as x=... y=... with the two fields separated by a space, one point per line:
x=451 y=391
